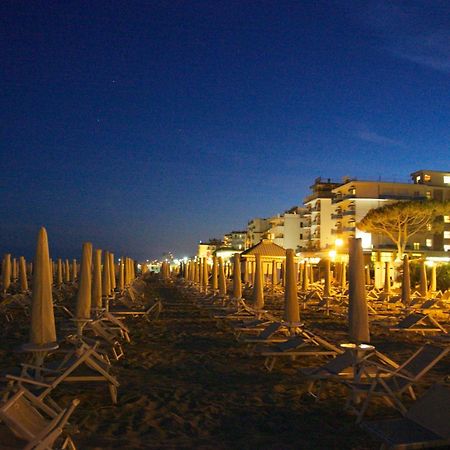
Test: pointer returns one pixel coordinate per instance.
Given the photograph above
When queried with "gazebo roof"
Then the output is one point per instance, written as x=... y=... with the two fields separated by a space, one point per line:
x=265 y=248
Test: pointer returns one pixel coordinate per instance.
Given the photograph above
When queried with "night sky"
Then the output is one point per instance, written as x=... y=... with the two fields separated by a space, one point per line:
x=148 y=126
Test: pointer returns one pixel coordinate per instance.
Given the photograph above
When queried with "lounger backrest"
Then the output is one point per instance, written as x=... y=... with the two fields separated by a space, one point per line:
x=429 y=303
x=432 y=411
x=410 y=320
x=22 y=418
x=269 y=330
x=423 y=360
x=341 y=362
x=290 y=344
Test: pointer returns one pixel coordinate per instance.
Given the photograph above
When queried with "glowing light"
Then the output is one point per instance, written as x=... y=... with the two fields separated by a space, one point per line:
x=332 y=254
x=339 y=242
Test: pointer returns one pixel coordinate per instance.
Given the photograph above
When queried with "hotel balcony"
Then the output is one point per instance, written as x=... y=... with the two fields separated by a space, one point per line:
x=336 y=215
x=341 y=198
x=349 y=212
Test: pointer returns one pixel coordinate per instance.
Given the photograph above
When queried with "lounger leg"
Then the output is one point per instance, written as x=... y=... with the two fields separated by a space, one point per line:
x=113 y=392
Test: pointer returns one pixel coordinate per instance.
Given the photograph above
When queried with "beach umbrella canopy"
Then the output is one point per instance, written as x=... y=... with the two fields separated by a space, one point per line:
x=274 y=273
x=23 y=275
x=433 y=281
x=42 y=330
x=387 y=278
x=368 y=280
x=74 y=270
x=121 y=275
x=106 y=279
x=67 y=270
x=291 y=308
x=222 y=282
x=97 y=280
x=237 y=284
x=6 y=272
x=406 y=283
x=258 y=285
x=358 y=317
x=327 y=280
x=343 y=274
x=112 y=271
x=246 y=277
x=14 y=269
x=59 y=273
x=215 y=275
x=423 y=289
x=305 y=281
x=205 y=275
x=84 y=294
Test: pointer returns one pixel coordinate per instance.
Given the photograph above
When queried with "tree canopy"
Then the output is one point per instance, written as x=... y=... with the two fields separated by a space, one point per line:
x=402 y=220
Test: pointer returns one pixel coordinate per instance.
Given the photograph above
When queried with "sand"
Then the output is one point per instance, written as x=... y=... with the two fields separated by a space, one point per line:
x=185 y=383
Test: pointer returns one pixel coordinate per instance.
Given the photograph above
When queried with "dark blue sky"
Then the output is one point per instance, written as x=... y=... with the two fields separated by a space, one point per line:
x=147 y=126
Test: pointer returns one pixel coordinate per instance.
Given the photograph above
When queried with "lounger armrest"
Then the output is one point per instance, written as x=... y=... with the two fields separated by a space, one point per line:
x=27 y=380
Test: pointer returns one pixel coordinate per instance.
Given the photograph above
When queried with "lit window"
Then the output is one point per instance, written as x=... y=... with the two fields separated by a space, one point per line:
x=426 y=177
x=447 y=219
x=428 y=195
x=446 y=248
x=416 y=245
x=446 y=234
x=429 y=242
x=447 y=179
x=429 y=226
x=418 y=178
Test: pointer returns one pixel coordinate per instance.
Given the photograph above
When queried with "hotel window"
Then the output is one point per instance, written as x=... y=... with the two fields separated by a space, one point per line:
x=428 y=226
x=418 y=178
x=416 y=245
x=447 y=219
x=446 y=179
x=426 y=177
x=446 y=248
x=301 y=235
x=429 y=242
x=446 y=234
x=428 y=195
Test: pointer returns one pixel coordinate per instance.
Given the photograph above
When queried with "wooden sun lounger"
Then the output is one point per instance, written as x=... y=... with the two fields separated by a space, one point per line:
x=390 y=385
x=35 y=422
x=425 y=425
x=419 y=323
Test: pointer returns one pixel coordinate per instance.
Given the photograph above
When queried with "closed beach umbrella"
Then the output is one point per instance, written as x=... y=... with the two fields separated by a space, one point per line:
x=205 y=275
x=368 y=280
x=237 y=284
x=74 y=271
x=406 y=283
x=305 y=281
x=423 y=289
x=222 y=281
x=97 y=280
x=14 y=269
x=433 y=281
x=291 y=308
x=358 y=318
x=43 y=330
x=387 y=278
x=6 y=272
x=84 y=294
x=106 y=279
x=112 y=271
x=121 y=275
x=215 y=275
x=59 y=273
x=23 y=275
x=67 y=271
x=274 y=273
x=258 y=285
x=343 y=275
x=327 y=280
x=246 y=277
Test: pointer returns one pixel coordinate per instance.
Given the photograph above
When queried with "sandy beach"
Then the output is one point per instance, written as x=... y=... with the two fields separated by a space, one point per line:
x=187 y=383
